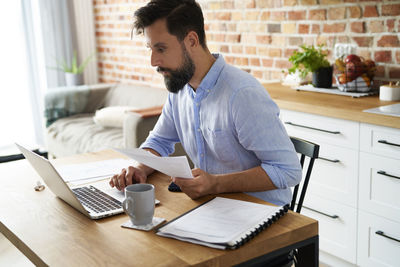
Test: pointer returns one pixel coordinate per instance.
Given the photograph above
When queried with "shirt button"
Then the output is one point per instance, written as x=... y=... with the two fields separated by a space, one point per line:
x=197 y=104
x=202 y=155
x=198 y=129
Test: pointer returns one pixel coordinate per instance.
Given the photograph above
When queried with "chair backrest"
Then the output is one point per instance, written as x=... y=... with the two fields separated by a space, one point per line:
x=306 y=149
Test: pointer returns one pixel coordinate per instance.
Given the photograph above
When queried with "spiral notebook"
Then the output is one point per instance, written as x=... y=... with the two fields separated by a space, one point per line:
x=222 y=223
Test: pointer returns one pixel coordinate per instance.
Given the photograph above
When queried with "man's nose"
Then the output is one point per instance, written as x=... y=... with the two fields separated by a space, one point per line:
x=155 y=60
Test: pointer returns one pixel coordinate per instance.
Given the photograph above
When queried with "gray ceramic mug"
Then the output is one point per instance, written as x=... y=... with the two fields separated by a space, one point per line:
x=139 y=203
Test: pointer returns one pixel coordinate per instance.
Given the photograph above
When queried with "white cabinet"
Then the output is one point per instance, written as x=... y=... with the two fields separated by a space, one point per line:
x=337 y=226
x=354 y=190
x=333 y=184
x=380 y=140
x=335 y=174
x=380 y=186
x=378 y=241
x=379 y=197
x=326 y=130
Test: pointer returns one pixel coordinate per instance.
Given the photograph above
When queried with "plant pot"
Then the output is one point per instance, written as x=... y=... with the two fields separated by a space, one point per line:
x=72 y=79
x=322 y=78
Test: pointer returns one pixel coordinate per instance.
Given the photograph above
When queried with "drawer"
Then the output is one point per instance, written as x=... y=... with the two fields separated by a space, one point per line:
x=320 y=129
x=337 y=226
x=376 y=250
x=380 y=186
x=335 y=175
x=380 y=140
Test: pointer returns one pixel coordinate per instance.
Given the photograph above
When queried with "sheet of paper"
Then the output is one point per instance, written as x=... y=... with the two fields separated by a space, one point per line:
x=172 y=166
x=221 y=220
x=96 y=169
x=89 y=180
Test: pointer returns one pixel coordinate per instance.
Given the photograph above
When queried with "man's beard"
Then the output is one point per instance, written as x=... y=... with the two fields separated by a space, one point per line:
x=177 y=79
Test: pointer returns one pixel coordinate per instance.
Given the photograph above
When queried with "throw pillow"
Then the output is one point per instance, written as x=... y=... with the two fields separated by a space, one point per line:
x=111 y=116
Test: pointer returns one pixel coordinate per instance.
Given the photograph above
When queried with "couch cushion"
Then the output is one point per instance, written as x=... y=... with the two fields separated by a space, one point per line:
x=135 y=95
x=111 y=116
x=79 y=134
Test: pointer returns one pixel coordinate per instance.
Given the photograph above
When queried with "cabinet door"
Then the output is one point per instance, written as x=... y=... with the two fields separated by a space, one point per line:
x=380 y=186
x=380 y=140
x=320 y=129
x=337 y=226
x=335 y=175
x=378 y=241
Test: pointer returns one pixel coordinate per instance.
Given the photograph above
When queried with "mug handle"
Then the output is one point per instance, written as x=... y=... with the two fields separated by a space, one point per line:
x=126 y=202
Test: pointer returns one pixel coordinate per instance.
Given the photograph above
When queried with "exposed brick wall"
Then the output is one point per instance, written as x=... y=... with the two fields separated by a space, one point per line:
x=257 y=35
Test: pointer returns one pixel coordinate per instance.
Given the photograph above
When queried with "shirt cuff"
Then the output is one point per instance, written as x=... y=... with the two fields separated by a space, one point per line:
x=152 y=145
x=275 y=176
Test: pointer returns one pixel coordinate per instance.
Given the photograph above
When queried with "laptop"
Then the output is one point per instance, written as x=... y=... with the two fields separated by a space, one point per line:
x=93 y=202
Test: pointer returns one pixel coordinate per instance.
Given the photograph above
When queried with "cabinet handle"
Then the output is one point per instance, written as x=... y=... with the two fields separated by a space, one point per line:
x=383 y=234
x=320 y=212
x=389 y=175
x=312 y=128
x=388 y=143
x=330 y=160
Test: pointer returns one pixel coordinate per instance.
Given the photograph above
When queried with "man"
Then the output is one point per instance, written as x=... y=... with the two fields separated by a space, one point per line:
x=222 y=116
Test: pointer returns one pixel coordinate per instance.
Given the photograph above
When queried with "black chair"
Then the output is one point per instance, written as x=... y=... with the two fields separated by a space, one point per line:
x=306 y=149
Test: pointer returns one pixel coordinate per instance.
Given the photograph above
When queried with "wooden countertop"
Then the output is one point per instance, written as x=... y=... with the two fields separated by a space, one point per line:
x=336 y=106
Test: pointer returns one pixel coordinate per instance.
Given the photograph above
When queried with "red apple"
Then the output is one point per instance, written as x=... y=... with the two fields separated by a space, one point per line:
x=354 y=69
x=370 y=68
x=352 y=58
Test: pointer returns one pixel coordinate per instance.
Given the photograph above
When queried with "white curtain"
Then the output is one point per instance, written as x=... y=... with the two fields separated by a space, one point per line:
x=86 y=38
x=59 y=37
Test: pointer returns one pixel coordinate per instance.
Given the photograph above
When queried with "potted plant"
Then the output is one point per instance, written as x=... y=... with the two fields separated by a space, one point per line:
x=312 y=59
x=74 y=71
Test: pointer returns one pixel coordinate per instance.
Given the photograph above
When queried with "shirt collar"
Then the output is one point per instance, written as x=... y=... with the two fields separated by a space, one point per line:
x=211 y=77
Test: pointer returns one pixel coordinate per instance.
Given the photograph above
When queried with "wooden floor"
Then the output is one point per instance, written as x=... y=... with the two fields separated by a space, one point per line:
x=10 y=255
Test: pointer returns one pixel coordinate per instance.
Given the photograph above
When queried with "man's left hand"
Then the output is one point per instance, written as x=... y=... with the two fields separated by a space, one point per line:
x=202 y=184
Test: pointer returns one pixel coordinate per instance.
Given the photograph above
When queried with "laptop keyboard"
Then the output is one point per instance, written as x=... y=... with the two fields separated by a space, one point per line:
x=96 y=200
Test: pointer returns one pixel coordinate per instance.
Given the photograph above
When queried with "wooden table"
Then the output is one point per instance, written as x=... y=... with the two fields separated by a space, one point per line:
x=50 y=232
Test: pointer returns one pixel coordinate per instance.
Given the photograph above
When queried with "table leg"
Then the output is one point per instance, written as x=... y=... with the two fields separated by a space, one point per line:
x=307 y=256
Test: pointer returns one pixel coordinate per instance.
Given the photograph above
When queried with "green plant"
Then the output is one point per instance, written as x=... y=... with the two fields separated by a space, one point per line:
x=74 y=68
x=310 y=59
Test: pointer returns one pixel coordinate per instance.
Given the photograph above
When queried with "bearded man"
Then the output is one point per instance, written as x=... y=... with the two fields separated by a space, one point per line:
x=223 y=117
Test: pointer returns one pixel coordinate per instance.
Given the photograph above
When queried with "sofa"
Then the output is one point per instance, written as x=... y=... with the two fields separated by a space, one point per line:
x=92 y=118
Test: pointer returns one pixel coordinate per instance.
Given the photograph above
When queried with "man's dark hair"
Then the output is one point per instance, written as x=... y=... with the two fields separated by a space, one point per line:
x=182 y=16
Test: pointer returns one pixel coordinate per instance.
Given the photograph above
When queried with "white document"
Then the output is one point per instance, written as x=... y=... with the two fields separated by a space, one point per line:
x=221 y=223
x=97 y=169
x=172 y=166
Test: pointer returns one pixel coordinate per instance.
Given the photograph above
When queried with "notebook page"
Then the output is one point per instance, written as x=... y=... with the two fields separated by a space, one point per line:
x=221 y=220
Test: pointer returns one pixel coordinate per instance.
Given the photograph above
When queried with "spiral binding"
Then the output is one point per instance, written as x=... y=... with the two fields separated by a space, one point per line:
x=261 y=227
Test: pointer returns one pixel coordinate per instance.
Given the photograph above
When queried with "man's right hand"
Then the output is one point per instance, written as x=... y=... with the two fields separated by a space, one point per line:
x=132 y=175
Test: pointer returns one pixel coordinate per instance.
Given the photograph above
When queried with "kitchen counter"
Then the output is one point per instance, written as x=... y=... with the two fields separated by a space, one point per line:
x=336 y=106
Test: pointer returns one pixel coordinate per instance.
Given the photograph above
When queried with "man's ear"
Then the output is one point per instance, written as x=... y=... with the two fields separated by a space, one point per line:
x=192 y=40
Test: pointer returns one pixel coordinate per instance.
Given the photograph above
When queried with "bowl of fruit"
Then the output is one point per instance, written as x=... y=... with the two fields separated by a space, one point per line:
x=354 y=74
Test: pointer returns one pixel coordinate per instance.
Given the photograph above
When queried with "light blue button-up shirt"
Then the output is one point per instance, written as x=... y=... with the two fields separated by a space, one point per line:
x=229 y=124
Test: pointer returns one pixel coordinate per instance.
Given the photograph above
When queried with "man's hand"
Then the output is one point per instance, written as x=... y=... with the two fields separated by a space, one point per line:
x=202 y=184
x=131 y=176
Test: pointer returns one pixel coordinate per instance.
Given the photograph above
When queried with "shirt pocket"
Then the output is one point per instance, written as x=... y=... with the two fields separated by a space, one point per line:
x=220 y=144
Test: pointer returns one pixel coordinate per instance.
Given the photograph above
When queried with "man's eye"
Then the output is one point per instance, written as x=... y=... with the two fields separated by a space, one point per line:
x=160 y=50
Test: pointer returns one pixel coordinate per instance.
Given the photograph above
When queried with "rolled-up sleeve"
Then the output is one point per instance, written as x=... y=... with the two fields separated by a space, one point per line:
x=259 y=130
x=164 y=135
